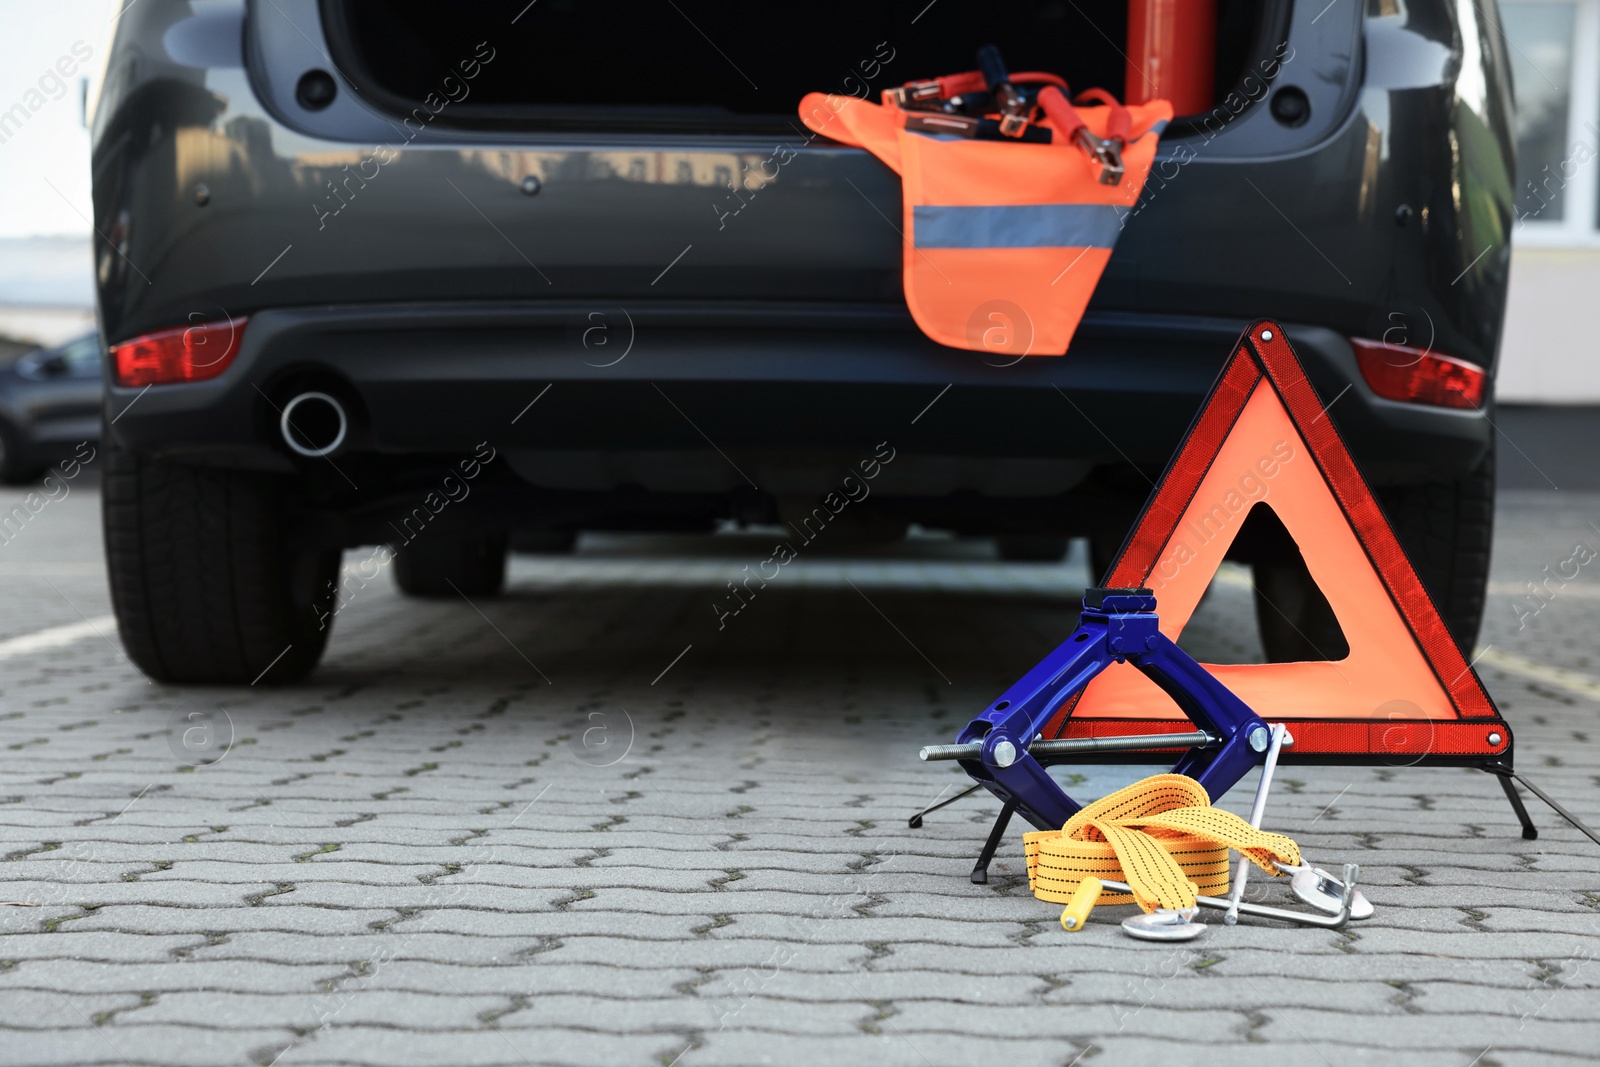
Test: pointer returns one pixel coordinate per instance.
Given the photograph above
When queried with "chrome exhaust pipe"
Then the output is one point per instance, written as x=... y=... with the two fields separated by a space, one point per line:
x=314 y=425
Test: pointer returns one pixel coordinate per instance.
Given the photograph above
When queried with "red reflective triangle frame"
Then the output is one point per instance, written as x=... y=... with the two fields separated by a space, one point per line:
x=1264 y=385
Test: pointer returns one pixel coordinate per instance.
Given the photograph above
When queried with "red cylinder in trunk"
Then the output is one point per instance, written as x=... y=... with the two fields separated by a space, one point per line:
x=1172 y=53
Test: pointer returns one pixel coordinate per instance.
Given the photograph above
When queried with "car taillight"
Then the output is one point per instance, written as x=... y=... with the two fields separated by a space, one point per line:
x=184 y=354
x=1400 y=372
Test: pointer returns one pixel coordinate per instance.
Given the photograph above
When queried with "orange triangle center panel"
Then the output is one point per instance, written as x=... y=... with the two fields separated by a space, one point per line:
x=1263 y=437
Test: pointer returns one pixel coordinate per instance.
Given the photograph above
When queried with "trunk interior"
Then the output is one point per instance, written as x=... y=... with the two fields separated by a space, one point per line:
x=712 y=66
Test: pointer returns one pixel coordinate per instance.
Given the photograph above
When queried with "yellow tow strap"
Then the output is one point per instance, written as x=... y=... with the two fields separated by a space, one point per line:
x=1161 y=836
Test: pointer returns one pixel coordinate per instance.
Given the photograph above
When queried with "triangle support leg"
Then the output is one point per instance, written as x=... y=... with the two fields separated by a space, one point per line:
x=1559 y=810
x=1530 y=832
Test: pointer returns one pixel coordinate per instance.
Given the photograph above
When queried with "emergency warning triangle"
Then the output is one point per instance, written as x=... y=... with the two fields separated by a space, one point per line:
x=1262 y=436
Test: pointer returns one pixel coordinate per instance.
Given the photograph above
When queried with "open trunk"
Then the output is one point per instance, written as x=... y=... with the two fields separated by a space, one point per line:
x=708 y=66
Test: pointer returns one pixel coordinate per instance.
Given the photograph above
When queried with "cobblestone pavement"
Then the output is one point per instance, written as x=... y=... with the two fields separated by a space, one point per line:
x=581 y=825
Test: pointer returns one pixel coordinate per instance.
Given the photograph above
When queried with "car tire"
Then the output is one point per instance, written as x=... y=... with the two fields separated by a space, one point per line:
x=16 y=468
x=544 y=541
x=440 y=566
x=205 y=586
x=1293 y=617
x=1446 y=529
x=1102 y=553
x=1031 y=548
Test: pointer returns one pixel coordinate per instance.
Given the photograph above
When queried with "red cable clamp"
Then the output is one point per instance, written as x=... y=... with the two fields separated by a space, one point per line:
x=1107 y=152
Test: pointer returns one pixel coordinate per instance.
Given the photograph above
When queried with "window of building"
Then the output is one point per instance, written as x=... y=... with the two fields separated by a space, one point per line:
x=1554 y=48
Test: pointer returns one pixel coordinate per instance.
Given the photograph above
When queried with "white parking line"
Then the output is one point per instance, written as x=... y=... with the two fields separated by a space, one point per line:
x=1575 y=682
x=57 y=636
x=1572 y=589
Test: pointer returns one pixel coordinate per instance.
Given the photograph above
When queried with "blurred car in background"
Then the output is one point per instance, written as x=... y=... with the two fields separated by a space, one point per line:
x=49 y=404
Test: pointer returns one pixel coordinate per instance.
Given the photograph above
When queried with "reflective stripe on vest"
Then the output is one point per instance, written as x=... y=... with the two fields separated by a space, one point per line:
x=1016 y=226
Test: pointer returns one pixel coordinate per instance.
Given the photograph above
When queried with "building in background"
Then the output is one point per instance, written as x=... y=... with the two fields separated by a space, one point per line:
x=46 y=290
x=1545 y=356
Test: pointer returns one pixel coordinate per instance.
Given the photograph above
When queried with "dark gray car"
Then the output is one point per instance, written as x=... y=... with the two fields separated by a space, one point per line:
x=440 y=276
x=50 y=401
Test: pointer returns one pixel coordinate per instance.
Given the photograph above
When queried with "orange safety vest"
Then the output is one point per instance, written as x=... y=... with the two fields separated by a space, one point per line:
x=1004 y=241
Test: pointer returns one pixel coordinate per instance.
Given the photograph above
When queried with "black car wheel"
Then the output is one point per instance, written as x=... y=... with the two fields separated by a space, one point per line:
x=16 y=468
x=1294 y=618
x=542 y=541
x=1446 y=529
x=205 y=586
x=439 y=566
x=1027 y=548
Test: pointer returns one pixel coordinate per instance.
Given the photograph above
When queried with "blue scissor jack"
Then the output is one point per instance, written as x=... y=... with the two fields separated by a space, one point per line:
x=1004 y=750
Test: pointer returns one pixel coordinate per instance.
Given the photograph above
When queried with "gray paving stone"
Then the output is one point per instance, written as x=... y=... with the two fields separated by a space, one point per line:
x=292 y=947
x=107 y=893
x=51 y=1009
x=527 y=977
x=164 y=1046
x=705 y=952
x=1481 y=1029
x=233 y=976
x=552 y=923
x=136 y=918
x=492 y=1046
x=444 y=1010
x=96 y=946
x=887 y=1048
x=639 y=1015
x=1138 y=1051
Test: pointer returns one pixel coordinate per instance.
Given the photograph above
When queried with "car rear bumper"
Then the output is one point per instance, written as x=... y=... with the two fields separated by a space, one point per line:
x=681 y=376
